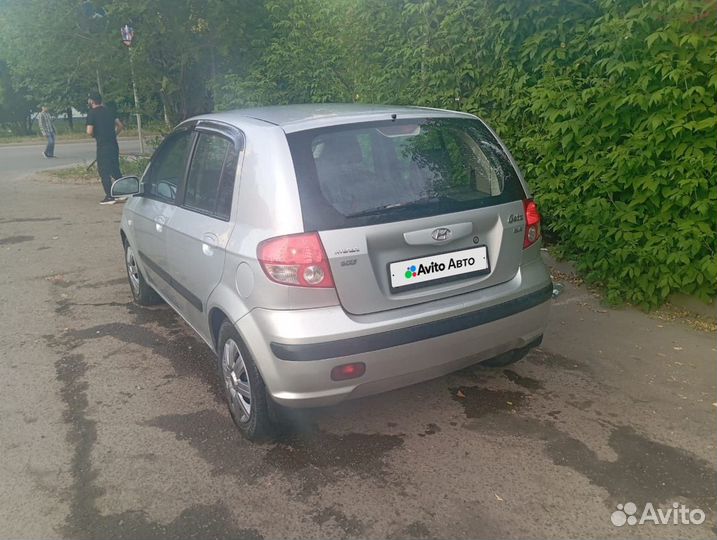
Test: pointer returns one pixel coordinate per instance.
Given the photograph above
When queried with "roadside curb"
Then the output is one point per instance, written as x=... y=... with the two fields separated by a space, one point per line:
x=685 y=302
x=694 y=305
x=43 y=142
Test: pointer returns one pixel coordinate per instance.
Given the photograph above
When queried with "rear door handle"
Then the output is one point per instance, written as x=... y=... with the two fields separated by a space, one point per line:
x=209 y=244
x=159 y=222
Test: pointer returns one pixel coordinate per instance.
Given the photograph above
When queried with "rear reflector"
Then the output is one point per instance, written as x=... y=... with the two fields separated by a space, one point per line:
x=532 y=223
x=348 y=371
x=297 y=259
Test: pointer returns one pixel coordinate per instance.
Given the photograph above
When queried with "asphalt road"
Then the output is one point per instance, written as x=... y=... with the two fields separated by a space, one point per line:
x=20 y=159
x=113 y=425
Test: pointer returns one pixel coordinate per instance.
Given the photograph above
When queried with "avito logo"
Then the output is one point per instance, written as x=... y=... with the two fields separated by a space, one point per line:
x=679 y=514
x=425 y=269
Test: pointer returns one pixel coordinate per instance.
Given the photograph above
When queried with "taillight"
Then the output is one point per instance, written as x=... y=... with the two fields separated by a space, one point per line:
x=297 y=259
x=532 y=223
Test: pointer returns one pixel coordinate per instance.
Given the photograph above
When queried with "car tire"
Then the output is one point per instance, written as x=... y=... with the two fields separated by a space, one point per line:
x=142 y=293
x=249 y=403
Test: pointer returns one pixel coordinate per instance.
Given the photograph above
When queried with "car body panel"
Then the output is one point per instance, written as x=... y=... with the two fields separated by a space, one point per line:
x=196 y=252
x=148 y=218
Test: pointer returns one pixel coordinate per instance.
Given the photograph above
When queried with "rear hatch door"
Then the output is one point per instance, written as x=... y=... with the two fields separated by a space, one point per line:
x=410 y=211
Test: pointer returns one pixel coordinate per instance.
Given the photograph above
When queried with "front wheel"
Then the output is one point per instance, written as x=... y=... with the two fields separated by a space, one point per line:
x=244 y=388
x=142 y=293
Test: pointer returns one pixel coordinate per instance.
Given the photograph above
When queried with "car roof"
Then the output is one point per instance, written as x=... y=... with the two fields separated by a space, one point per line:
x=300 y=117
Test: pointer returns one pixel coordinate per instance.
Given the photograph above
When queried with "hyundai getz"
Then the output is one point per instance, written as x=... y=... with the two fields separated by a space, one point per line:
x=328 y=252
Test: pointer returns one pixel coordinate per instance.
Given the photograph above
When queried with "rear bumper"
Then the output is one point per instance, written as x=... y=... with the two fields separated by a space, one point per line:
x=295 y=350
x=411 y=334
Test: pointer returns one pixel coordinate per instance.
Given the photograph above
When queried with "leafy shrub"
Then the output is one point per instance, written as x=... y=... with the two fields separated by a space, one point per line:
x=625 y=153
x=134 y=165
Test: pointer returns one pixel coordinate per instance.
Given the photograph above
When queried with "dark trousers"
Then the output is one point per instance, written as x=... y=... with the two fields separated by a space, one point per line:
x=50 y=148
x=108 y=165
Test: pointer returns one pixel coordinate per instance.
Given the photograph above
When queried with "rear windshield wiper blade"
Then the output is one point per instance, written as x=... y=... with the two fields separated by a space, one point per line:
x=392 y=206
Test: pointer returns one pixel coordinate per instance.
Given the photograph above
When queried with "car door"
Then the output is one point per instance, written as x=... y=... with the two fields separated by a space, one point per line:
x=199 y=229
x=152 y=211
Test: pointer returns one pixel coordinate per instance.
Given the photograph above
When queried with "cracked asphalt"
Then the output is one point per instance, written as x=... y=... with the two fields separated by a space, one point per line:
x=113 y=424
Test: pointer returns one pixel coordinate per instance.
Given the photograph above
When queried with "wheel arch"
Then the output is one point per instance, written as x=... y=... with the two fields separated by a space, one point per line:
x=216 y=318
x=224 y=304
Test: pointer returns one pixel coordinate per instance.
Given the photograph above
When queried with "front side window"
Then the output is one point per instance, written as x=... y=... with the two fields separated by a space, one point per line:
x=362 y=174
x=210 y=183
x=167 y=169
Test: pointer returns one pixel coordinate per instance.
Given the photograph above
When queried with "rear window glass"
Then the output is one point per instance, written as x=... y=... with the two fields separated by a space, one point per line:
x=363 y=174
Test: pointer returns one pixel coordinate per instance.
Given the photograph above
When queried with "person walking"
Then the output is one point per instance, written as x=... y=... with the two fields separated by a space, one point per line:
x=47 y=128
x=104 y=126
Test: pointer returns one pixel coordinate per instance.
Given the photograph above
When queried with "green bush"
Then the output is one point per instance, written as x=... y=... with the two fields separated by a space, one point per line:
x=625 y=151
x=133 y=166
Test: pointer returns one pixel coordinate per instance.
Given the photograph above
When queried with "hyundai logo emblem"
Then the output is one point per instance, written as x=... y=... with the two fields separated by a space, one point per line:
x=442 y=234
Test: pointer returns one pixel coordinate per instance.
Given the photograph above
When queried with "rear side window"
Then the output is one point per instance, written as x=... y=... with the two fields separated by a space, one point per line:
x=210 y=182
x=362 y=174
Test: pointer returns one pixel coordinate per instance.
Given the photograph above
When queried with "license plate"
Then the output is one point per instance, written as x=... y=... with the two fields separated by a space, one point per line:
x=439 y=268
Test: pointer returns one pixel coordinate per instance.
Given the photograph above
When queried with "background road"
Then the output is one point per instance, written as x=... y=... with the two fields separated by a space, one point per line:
x=113 y=425
x=20 y=159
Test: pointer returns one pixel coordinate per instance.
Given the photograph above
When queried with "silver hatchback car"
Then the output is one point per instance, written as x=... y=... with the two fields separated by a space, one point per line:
x=327 y=252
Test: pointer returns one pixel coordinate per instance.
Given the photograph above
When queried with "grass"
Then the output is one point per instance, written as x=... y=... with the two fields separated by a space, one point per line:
x=86 y=174
x=77 y=135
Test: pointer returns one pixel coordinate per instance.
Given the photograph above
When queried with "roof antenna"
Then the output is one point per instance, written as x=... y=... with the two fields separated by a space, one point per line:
x=393 y=117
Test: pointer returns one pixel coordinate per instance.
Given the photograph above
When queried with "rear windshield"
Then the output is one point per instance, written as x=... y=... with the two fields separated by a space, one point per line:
x=363 y=174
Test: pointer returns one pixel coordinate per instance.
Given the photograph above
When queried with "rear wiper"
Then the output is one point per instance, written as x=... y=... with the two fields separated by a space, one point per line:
x=383 y=208
x=377 y=210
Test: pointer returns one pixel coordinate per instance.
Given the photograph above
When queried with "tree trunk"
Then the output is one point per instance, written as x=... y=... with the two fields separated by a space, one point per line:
x=68 y=112
x=167 y=121
x=212 y=79
x=165 y=108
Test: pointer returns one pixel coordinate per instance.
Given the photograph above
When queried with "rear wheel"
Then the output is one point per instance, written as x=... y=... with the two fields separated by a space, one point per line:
x=244 y=388
x=142 y=293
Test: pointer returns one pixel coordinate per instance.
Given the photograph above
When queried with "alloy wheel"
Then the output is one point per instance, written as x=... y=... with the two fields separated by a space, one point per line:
x=132 y=270
x=236 y=381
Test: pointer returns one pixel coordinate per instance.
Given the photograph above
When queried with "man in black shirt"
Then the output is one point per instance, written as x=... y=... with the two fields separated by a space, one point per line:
x=103 y=125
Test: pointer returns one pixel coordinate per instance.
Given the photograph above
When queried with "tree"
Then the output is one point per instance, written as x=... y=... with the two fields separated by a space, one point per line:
x=182 y=48
x=304 y=61
x=14 y=107
x=50 y=55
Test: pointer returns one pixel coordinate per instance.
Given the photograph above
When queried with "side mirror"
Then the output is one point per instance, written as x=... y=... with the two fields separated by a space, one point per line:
x=125 y=186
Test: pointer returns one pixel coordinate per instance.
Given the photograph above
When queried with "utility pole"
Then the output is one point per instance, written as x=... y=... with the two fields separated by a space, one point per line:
x=99 y=81
x=127 y=36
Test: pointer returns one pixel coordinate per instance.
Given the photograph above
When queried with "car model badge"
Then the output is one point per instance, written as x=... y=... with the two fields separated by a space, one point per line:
x=441 y=234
